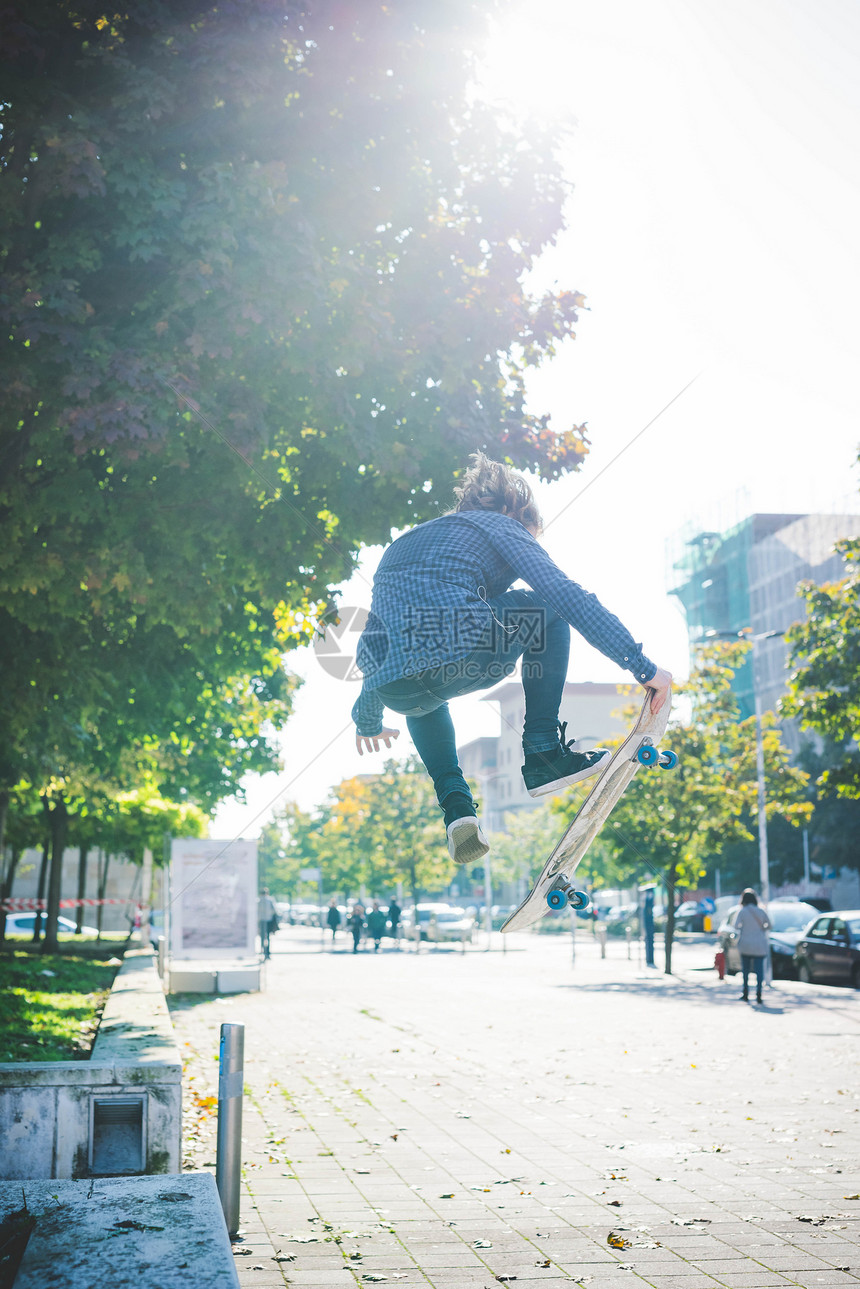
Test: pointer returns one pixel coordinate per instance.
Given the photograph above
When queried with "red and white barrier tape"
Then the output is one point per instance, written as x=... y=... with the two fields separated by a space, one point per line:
x=22 y=904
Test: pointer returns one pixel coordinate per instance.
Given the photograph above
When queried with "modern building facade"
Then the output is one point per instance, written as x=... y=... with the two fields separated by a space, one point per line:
x=746 y=579
x=593 y=712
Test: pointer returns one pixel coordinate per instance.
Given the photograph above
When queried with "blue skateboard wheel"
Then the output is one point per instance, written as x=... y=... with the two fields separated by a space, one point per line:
x=668 y=760
x=647 y=755
x=556 y=899
x=579 y=899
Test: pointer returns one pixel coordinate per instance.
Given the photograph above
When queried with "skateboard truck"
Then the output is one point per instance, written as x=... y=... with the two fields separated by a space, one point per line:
x=564 y=892
x=648 y=755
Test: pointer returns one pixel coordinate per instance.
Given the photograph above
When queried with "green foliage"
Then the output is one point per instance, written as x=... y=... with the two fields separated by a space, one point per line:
x=824 y=687
x=374 y=831
x=288 y=843
x=294 y=221
x=521 y=851
x=261 y=276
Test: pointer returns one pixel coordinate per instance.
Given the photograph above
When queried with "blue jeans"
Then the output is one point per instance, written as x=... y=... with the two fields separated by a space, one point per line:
x=525 y=628
x=748 y=964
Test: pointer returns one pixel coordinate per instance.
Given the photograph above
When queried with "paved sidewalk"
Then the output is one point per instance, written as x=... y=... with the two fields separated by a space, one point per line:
x=467 y=1120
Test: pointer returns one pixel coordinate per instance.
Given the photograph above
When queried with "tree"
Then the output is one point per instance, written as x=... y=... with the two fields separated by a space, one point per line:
x=288 y=843
x=824 y=687
x=374 y=831
x=385 y=828
x=261 y=277
x=24 y=828
x=291 y=221
x=519 y=853
x=673 y=824
x=112 y=712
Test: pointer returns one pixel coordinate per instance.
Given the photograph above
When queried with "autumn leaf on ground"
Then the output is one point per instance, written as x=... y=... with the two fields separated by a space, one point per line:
x=618 y=1241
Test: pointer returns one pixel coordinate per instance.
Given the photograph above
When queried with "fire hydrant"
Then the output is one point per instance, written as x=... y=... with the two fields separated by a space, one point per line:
x=720 y=963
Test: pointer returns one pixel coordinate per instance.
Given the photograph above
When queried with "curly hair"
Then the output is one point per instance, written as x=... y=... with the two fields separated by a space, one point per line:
x=491 y=485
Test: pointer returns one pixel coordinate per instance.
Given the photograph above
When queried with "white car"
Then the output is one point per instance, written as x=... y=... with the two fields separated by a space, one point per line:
x=25 y=924
x=440 y=923
x=305 y=914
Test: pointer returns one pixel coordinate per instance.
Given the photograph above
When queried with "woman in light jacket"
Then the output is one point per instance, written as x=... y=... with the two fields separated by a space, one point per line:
x=751 y=926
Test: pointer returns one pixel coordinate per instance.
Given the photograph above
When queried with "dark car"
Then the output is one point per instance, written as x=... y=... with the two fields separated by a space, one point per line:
x=690 y=916
x=788 y=921
x=829 y=949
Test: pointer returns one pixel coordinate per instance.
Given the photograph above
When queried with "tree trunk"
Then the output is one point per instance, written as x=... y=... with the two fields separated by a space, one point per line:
x=5 y=797
x=104 y=861
x=670 y=915
x=43 y=873
x=83 y=855
x=8 y=880
x=59 y=834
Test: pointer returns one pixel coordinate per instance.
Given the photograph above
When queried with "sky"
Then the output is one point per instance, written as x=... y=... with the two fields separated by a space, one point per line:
x=713 y=229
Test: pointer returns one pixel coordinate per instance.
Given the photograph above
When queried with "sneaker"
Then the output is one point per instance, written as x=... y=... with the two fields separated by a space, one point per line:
x=548 y=772
x=466 y=841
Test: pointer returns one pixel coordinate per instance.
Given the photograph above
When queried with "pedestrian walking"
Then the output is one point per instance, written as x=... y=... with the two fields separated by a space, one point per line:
x=376 y=924
x=394 y=912
x=751 y=926
x=333 y=918
x=267 y=920
x=355 y=923
x=443 y=623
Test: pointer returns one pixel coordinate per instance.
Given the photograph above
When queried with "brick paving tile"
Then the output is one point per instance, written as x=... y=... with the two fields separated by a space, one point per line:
x=533 y=1095
x=689 y=1280
x=759 y=1278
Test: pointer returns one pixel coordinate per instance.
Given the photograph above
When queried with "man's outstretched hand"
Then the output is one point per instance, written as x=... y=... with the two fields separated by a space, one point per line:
x=365 y=743
x=659 y=684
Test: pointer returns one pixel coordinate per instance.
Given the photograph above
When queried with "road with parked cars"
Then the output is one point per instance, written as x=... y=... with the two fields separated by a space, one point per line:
x=806 y=943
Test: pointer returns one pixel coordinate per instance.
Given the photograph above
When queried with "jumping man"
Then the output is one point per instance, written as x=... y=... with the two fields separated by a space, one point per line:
x=443 y=623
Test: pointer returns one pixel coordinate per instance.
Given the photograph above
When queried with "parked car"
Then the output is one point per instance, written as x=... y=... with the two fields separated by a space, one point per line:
x=305 y=914
x=820 y=902
x=440 y=923
x=25 y=923
x=829 y=949
x=788 y=921
x=622 y=917
x=690 y=916
x=499 y=914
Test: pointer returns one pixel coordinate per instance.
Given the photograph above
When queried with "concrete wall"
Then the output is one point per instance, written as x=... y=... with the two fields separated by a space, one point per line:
x=124 y=879
x=119 y=1112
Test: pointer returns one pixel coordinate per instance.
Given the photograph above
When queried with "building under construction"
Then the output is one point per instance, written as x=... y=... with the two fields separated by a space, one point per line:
x=746 y=579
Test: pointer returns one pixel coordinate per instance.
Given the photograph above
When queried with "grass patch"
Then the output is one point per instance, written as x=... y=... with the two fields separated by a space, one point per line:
x=50 y=1004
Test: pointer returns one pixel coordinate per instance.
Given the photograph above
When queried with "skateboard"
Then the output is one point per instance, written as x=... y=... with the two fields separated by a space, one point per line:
x=554 y=887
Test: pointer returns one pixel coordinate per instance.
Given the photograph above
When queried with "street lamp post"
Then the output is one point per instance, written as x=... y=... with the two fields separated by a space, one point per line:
x=763 y=861
x=761 y=798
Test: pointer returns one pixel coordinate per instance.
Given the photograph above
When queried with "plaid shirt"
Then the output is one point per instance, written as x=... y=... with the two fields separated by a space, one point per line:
x=430 y=602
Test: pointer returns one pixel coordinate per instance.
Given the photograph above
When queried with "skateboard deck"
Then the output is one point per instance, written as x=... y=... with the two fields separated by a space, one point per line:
x=554 y=886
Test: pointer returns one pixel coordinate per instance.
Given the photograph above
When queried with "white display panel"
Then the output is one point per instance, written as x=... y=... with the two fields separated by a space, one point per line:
x=213 y=898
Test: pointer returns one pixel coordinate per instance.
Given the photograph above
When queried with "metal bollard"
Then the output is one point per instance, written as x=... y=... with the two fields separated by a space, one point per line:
x=628 y=932
x=601 y=940
x=229 y=1157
